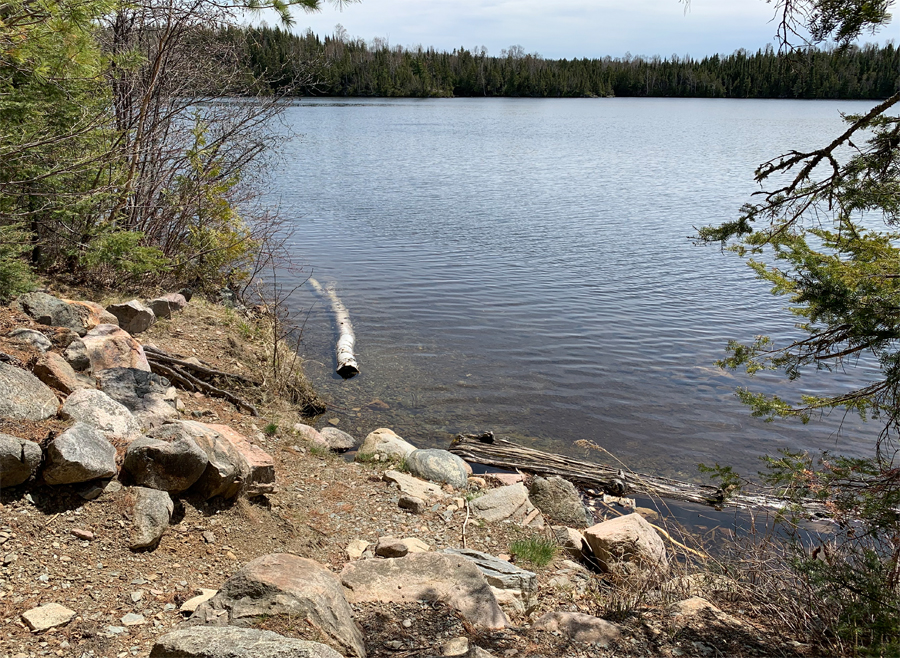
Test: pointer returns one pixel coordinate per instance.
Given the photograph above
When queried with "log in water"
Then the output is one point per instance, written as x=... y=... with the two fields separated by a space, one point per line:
x=346 y=360
x=615 y=481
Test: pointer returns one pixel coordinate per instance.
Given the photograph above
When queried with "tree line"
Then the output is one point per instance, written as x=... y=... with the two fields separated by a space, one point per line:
x=337 y=65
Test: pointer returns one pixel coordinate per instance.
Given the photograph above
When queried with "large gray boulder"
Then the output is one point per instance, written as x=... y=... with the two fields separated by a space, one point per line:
x=385 y=445
x=284 y=584
x=35 y=339
x=235 y=642
x=142 y=393
x=23 y=396
x=171 y=466
x=133 y=316
x=338 y=440
x=80 y=454
x=151 y=515
x=19 y=458
x=224 y=473
x=453 y=580
x=50 y=310
x=97 y=409
x=499 y=574
x=438 y=466
x=558 y=499
x=625 y=542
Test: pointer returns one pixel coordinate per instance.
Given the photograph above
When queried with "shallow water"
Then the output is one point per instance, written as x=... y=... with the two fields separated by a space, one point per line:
x=523 y=266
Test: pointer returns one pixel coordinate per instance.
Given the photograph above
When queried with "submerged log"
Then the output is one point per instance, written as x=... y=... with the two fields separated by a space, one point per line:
x=346 y=361
x=614 y=481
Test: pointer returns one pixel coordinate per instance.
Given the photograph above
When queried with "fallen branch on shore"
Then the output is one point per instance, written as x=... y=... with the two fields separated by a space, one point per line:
x=509 y=455
x=346 y=361
x=191 y=377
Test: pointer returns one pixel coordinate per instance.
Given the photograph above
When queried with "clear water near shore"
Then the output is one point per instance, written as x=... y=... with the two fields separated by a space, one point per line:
x=523 y=266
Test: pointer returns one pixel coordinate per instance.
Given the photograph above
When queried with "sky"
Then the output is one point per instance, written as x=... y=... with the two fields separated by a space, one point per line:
x=560 y=28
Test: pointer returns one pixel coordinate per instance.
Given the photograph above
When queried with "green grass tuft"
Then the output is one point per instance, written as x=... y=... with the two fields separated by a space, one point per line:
x=537 y=551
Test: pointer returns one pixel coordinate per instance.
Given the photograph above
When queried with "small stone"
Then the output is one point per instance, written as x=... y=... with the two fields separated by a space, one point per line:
x=192 y=604
x=85 y=535
x=413 y=504
x=47 y=616
x=133 y=619
x=390 y=547
x=209 y=537
x=407 y=623
x=458 y=646
x=137 y=596
x=356 y=548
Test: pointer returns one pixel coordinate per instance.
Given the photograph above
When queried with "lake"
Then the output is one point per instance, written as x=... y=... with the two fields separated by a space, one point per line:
x=524 y=266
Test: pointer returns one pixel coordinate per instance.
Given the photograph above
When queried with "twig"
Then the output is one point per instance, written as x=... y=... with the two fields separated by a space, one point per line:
x=465 y=523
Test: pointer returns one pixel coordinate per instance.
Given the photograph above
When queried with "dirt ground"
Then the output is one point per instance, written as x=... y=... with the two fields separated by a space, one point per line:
x=323 y=502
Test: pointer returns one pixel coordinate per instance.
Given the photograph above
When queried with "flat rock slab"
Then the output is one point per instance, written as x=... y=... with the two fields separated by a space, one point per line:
x=385 y=445
x=23 y=396
x=501 y=503
x=108 y=346
x=235 y=642
x=97 y=409
x=80 y=454
x=580 y=627
x=195 y=602
x=499 y=573
x=438 y=466
x=284 y=584
x=35 y=339
x=453 y=580
x=414 y=487
x=47 y=616
x=19 y=458
x=697 y=614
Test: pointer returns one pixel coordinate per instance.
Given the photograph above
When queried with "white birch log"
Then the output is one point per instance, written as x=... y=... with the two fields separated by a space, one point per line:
x=346 y=361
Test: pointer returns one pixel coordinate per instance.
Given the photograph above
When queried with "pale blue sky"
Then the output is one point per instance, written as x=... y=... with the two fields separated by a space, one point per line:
x=561 y=28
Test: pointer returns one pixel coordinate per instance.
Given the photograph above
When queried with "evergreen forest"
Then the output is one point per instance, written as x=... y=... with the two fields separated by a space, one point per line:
x=340 y=66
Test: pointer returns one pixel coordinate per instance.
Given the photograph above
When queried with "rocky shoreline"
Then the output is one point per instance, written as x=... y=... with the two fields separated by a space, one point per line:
x=138 y=518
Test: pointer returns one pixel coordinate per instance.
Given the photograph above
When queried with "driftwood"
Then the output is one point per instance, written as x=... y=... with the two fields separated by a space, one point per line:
x=188 y=376
x=508 y=455
x=346 y=361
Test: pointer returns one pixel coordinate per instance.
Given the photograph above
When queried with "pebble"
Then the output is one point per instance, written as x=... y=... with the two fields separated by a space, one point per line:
x=132 y=619
x=85 y=535
x=407 y=623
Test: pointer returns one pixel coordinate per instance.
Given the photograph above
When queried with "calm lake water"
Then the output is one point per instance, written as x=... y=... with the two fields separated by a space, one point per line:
x=524 y=266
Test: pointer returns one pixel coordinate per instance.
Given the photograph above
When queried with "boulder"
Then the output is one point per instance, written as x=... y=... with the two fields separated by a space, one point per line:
x=143 y=394
x=90 y=315
x=499 y=574
x=151 y=515
x=572 y=542
x=97 y=409
x=76 y=355
x=385 y=445
x=80 y=454
x=108 y=346
x=171 y=466
x=700 y=615
x=35 y=339
x=166 y=305
x=224 y=473
x=55 y=371
x=311 y=434
x=390 y=547
x=626 y=540
x=47 y=616
x=258 y=466
x=234 y=642
x=579 y=627
x=506 y=502
x=558 y=499
x=19 y=458
x=337 y=440
x=283 y=584
x=414 y=487
x=23 y=396
x=438 y=466
x=450 y=579
x=49 y=310
x=133 y=316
